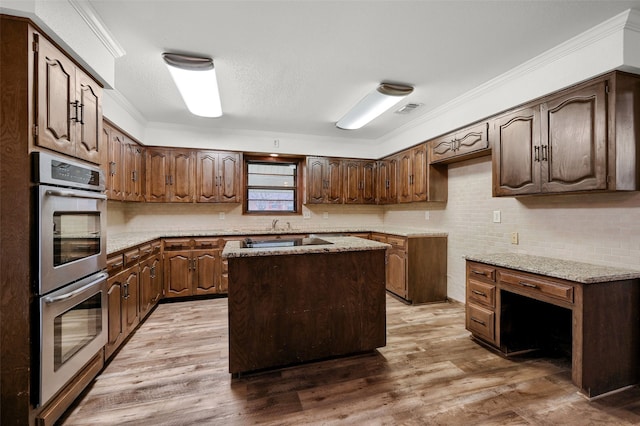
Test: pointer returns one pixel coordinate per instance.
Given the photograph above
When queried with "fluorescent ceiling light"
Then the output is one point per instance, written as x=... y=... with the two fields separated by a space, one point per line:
x=375 y=103
x=196 y=81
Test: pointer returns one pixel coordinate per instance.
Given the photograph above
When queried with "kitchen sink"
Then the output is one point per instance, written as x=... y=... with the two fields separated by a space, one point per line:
x=284 y=242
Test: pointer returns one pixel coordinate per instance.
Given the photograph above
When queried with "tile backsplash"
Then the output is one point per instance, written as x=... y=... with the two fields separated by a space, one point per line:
x=596 y=228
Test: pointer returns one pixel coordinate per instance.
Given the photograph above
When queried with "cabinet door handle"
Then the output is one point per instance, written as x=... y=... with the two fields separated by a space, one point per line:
x=112 y=168
x=81 y=113
x=479 y=293
x=75 y=105
x=166 y=180
x=536 y=153
x=478 y=321
x=545 y=151
x=152 y=272
x=529 y=285
x=126 y=290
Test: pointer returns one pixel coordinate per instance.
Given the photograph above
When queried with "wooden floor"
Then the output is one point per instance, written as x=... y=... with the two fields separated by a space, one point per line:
x=173 y=371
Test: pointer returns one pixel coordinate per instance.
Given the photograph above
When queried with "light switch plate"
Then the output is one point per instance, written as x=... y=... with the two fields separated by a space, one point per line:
x=221 y=215
x=306 y=214
x=426 y=215
x=325 y=215
x=514 y=238
x=497 y=216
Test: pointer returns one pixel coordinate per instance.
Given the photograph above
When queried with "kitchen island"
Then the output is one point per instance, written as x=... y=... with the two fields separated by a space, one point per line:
x=306 y=302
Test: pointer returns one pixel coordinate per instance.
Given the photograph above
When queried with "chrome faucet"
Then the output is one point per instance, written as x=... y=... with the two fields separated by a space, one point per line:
x=273 y=224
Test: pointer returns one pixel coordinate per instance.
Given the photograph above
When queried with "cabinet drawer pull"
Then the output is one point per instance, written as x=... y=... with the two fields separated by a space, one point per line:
x=479 y=293
x=134 y=257
x=478 y=321
x=117 y=265
x=474 y=271
x=525 y=284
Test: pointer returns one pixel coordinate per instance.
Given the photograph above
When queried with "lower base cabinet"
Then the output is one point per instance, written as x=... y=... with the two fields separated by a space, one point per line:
x=416 y=267
x=193 y=267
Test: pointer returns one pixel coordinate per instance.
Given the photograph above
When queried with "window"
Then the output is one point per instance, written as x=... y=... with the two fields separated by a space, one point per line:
x=272 y=185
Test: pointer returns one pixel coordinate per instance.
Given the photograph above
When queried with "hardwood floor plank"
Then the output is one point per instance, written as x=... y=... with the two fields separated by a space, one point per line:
x=174 y=371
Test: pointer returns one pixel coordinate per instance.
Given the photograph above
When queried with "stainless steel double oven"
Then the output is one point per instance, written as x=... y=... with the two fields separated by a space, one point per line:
x=69 y=261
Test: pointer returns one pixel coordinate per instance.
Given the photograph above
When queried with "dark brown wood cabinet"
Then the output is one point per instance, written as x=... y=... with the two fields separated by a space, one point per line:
x=416 y=179
x=218 y=177
x=580 y=139
x=359 y=181
x=122 y=307
x=125 y=166
x=386 y=181
x=193 y=267
x=170 y=175
x=151 y=283
x=416 y=267
x=324 y=180
x=463 y=144
x=513 y=311
x=68 y=112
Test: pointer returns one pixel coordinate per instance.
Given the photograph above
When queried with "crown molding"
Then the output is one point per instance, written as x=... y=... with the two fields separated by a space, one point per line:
x=629 y=19
x=124 y=103
x=90 y=16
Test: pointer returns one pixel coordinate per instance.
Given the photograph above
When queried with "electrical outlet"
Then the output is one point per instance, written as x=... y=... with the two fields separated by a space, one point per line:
x=306 y=214
x=221 y=215
x=276 y=143
x=426 y=215
x=514 y=238
x=325 y=215
x=496 y=216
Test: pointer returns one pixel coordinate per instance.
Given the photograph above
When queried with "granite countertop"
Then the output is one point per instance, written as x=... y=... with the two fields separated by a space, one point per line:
x=586 y=273
x=338 y=244
x=127 y=240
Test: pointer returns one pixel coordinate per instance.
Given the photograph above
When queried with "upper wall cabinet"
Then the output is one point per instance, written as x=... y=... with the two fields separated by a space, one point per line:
x=125 y=166
x=218 y=177
x=386 y=181
x=324 y=180
x=470 y=142
x=580 y=139
x=170 y=175
x=416 y=179
x=359 y=181
x=69 y=105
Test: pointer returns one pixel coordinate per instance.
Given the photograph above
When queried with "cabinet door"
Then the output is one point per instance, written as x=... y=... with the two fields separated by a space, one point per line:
x=463 y=144
x=206 y=271
x=133 y=172
x=386 y=181
x=207 y=177
x=115 y=175
x=419 y=182
x=573 y=145
x=334 y=179
x=182 y=177
x=55 y=109
x=115 y=299
x=397 y=272
x=516 y=153
x=89 y=126
x=229 y=177
x=368 y=182
x=352 y=181
x=131 y=303
x=156 y=279
x=157 y=175
x=177 y=273
x=145 y=287
x=405 y=194
x=316 y=185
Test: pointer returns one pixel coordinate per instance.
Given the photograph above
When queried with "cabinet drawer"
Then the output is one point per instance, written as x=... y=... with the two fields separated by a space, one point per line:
x=478 y=270
x=131 y=257
x=480 y=321
x=396 y=242
x=480 y=292
x=535 y=285
x=177 y=244
x=114 y=264
x=379 y=238
x=156 y=246
x=206 y=243
x=145 y=251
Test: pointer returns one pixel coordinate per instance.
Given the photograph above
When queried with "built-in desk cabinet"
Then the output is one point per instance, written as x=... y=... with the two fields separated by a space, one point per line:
x=416 y=267
x=596 y=324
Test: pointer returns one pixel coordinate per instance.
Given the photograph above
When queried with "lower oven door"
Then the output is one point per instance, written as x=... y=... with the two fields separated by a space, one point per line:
x=73 y=329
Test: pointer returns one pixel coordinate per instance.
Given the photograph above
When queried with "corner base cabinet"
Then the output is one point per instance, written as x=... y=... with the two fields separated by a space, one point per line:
x=597 y=324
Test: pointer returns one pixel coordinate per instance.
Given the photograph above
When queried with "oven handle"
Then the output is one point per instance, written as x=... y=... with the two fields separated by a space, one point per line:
x=61 y=193
x=49 y=300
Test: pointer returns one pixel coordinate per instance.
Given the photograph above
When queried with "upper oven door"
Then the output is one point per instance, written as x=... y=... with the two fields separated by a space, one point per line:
x=72 y=241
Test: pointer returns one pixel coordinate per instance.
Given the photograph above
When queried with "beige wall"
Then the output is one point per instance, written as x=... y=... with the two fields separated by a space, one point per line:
x=598 y=228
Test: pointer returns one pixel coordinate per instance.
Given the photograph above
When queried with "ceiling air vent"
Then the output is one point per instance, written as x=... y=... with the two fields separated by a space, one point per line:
x=408 y=108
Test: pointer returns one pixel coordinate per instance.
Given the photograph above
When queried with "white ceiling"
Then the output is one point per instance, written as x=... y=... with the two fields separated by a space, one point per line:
x=297 y=66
